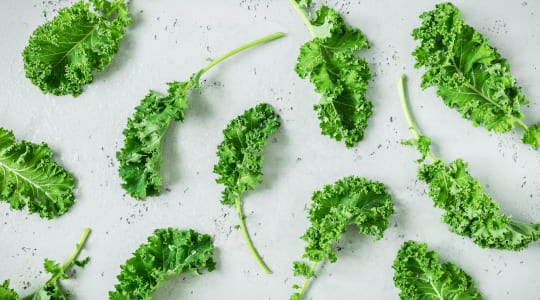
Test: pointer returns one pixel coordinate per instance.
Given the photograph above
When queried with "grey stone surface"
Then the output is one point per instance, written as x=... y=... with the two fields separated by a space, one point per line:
x=171 y=39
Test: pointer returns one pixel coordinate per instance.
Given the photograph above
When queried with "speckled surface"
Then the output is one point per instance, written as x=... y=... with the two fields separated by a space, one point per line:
x=171 y=39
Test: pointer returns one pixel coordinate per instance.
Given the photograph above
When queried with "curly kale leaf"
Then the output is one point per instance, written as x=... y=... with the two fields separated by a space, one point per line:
x=29 y=177
x=419 y=276
x=470 y=212
x=470 y=75
x=351 y=200
x=240 y=159
x=140 y=159
x=63 y=53
x=168 y=252
x=338 y=75
x=51 y=289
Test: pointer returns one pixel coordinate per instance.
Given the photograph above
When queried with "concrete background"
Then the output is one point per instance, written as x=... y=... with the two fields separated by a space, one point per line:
x=169 y=40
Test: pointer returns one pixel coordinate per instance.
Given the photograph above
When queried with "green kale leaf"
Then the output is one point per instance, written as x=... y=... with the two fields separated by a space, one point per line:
x=63 y=53
x=240 y=160
x=29 y=177
x=471 y=76
x=349 y=201
x=340 y=76
x=419 y=276
x=470 y=212
x=169 y=252
x=140 y=159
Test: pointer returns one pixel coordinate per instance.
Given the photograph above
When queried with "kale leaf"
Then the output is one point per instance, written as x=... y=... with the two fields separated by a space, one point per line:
x=470 y=211
x=168 y=252
x=471 y=76
x=340 y=76
x=140 y=159
x=351 y=200
x=240 y=160
x=29 y=177
x=63 y=54
x=419 y=276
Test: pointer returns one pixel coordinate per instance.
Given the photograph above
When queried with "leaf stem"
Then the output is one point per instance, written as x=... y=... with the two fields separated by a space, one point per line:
x=73 y=255
x=522 y=125
x=407 y=113
x=235 y=51
x=306 y=281
x=303 y=16
x=241 y=218
x=242 y=48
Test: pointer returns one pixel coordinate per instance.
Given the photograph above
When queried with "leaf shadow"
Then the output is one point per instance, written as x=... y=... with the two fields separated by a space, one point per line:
x=274 y=159
x=199 y=111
